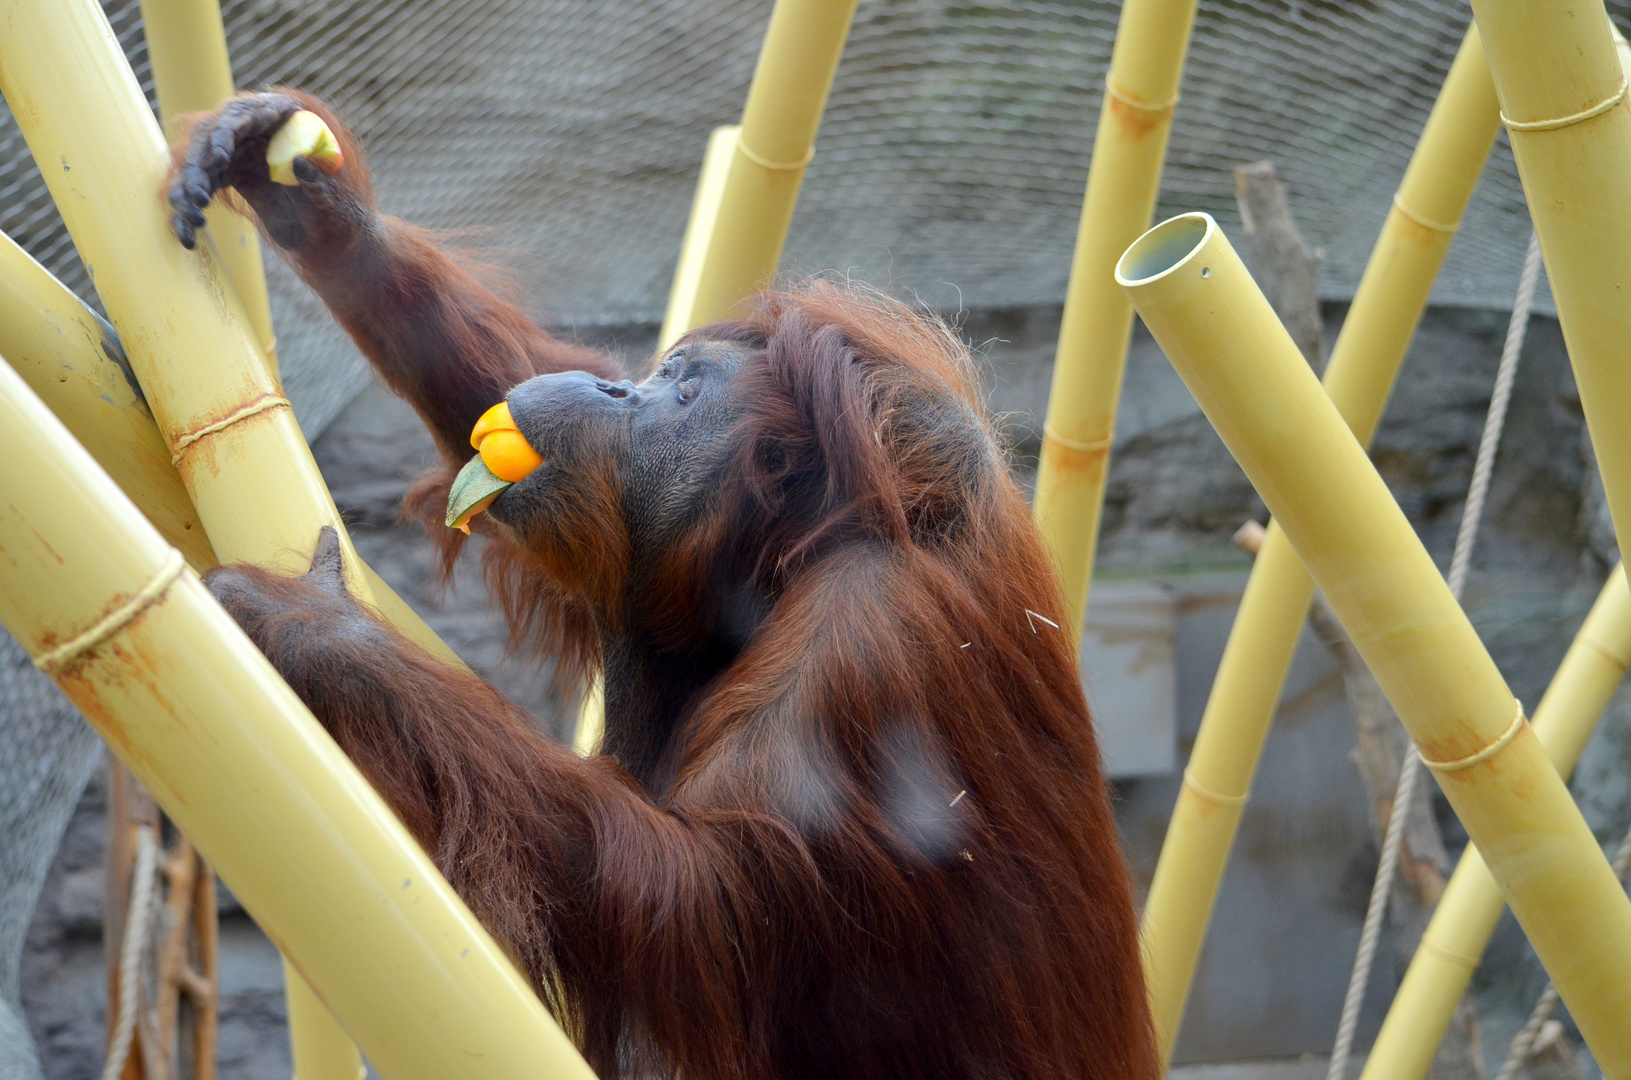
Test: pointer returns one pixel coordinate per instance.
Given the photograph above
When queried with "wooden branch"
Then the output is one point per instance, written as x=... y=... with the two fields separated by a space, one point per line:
x=179 y=1009
x=1285 y=269
x=202 y=977
x=180 y=872
x=129 y=807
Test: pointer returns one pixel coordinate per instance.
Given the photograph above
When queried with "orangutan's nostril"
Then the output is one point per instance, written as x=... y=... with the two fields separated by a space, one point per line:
x=616 y=390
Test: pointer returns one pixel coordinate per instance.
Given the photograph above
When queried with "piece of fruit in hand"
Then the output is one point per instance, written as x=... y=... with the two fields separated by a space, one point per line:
x=302 y=135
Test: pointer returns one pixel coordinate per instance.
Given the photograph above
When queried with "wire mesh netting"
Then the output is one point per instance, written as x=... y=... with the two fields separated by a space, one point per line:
x=950 y=164
x=46 y=755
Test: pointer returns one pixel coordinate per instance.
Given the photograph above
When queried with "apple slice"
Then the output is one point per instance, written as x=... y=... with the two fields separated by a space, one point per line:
x=302 y=135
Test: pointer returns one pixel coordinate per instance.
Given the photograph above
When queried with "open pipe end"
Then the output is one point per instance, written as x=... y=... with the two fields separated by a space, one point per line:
x=1164 y=249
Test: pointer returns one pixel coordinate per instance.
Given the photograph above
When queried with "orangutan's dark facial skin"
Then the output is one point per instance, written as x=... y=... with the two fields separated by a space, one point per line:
x=668 y=438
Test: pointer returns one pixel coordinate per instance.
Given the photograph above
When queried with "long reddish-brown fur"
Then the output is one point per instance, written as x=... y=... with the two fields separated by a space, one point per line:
x=876 y=840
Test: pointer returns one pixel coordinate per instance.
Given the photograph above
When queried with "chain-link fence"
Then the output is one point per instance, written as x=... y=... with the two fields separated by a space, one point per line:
x=951 y=162
x=46 y=755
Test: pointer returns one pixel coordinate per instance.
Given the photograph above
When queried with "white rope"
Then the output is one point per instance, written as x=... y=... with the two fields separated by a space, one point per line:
x=1374 y=912
x=1524 y=1041
x=130 y=955
x=1471 y=515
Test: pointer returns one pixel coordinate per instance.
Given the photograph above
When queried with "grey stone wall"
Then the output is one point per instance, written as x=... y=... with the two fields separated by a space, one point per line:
x=1288 y=918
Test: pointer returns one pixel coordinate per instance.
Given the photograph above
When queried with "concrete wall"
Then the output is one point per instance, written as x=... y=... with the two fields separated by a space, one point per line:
x=1288 y=918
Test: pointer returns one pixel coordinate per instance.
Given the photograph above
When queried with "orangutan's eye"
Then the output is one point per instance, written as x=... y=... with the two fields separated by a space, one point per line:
x=688 y=387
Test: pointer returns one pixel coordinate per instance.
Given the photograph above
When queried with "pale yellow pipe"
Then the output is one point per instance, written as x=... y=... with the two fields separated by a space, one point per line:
x=736 y=255
x=228 y=427
x=113 y=211
x=1203 y=308
x=699 y=228
x=138 y=644
x=71 y=358
x=187 y=44
x=1129 y=147
x=591 y=719
x=224 y=419
x=318 y=1045
x=1563 y=99
x=1364 y=363
x=1466 y=915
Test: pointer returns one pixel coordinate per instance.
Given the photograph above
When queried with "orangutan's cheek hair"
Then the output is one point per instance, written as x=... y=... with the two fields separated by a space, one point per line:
x=850 y=820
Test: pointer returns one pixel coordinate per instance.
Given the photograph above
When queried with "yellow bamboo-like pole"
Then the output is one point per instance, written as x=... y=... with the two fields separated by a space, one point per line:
x=1364 y=363
x=754 y=203
x=318 y=1044
x=108 y=609
x=70 y=357
x=1129 y=148
x=1195 y=295
x=746 y=193
x=1563 y=99
x=223 y=418
x=699 y=229
x=230 y=431
x=591 y=719
x=1454 y=941
x=187 y=44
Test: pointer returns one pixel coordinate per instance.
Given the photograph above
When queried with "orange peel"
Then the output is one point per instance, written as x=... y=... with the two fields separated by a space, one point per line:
x=473 y=491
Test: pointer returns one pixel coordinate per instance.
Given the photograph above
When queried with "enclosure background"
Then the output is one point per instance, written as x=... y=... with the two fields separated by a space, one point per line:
x=951 y=162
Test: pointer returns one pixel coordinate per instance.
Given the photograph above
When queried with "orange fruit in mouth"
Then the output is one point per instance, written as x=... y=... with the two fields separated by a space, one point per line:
x=504 y=456
x=503 y=447
x=509 y=455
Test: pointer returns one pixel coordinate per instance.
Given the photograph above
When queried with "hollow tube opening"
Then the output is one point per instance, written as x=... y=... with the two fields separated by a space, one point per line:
x=1164 y=248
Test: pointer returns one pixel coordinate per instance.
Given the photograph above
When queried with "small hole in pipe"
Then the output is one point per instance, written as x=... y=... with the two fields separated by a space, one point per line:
x=1206 y=271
